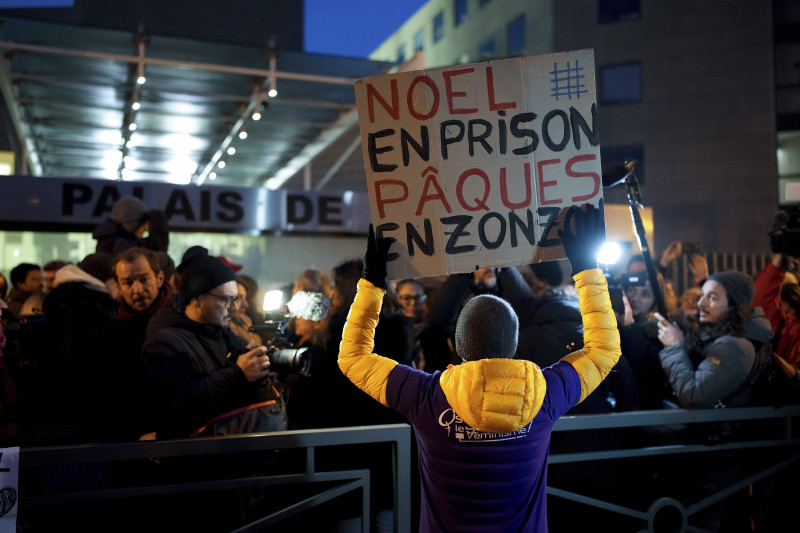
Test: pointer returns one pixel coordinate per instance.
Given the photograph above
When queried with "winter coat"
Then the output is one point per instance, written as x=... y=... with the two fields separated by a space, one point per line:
x=483 y=427
x=550 y=327
x=192 y=376
x=640 y=348
x=725 y=365
x=787 y=329
x=66 y=386
x=113 y=238
x=16 y=299
x=8 y=399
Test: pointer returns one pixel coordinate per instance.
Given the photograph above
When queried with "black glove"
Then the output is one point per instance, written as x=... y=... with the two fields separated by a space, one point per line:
x=584 y=243
x=375 y=259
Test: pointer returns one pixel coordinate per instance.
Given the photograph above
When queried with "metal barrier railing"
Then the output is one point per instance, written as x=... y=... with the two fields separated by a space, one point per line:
x=781 y=439
x=750 y=264
x=40 y=463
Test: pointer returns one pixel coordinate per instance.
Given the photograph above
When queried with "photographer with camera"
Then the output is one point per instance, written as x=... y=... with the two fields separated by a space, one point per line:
x=483 y=427
x=203 y=380
x=639 y=334
x=130 y=220
x=776 y=288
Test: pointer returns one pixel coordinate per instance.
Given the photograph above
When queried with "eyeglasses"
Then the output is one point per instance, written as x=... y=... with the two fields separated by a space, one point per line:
x=408 y=298
x=229 y=300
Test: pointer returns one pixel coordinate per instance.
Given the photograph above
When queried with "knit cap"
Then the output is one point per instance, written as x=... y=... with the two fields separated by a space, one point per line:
x=128 y=209
x=739 y=287
x=98 y=265
x=201 y=272
x=487 y=328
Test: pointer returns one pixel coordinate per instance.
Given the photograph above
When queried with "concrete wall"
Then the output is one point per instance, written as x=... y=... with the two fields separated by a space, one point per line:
x=461 y=43
x=707 y=118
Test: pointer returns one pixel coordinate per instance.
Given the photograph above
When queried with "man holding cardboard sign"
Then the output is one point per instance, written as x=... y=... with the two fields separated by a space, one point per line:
x=469 y=167
x=483 y=427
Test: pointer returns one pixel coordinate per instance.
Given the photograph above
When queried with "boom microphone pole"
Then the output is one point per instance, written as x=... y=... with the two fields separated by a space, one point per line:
x=613 y=176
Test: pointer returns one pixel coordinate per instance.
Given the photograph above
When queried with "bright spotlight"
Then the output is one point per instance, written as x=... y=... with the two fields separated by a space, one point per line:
x=273 y=300
x=609 y=253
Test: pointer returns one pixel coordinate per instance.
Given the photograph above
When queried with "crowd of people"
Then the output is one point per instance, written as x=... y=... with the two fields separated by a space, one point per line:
x=130 y=344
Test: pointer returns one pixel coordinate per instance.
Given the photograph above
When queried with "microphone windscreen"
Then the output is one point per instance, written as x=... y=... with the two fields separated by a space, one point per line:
x=312 y=306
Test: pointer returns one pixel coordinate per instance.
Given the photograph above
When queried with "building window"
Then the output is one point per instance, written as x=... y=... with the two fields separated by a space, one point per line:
x=516 y=36
x=610 y=11
x=620 y=155
x=621 y=83
x=438 y=27
x=401 y=54
x=487 y=48
x=419 y=39
x=460 y=7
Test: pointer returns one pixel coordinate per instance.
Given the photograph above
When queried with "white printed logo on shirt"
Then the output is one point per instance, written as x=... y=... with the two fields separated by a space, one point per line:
x=465 y=434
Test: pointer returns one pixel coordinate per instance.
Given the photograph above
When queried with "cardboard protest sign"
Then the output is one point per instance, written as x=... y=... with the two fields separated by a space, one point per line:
x=474 y=165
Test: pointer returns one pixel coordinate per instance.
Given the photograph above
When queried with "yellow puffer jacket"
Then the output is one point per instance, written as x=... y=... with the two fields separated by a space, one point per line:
x=491 y=395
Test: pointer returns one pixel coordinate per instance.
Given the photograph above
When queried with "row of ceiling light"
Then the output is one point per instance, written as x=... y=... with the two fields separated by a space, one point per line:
x=185 y=167
x=242 y=134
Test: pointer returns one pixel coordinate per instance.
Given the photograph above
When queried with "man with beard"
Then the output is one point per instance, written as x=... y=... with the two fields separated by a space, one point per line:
x=707 y=365
x=142 y=292
x=202 y=380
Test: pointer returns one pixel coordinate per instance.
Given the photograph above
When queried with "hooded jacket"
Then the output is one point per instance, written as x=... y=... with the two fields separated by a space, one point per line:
x=69 y=363
x=112 y=238
x=483 y=427
x=724 y=368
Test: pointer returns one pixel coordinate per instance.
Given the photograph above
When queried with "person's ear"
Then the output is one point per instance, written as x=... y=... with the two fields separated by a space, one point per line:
x=160 y=278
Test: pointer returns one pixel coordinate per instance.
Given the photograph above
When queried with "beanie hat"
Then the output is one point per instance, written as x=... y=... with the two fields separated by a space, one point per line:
x=201 y=272
x=487 y=328
x=739 y=287
x=548 y=272
x=128 y=209
x=98 y=265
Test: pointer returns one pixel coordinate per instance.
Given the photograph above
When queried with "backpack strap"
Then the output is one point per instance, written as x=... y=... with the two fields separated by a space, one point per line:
x=762 y=359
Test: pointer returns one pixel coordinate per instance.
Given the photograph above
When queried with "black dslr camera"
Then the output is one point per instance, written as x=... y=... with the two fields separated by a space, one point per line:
x=619 y=284
x=284 y=357
x=784 y=237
